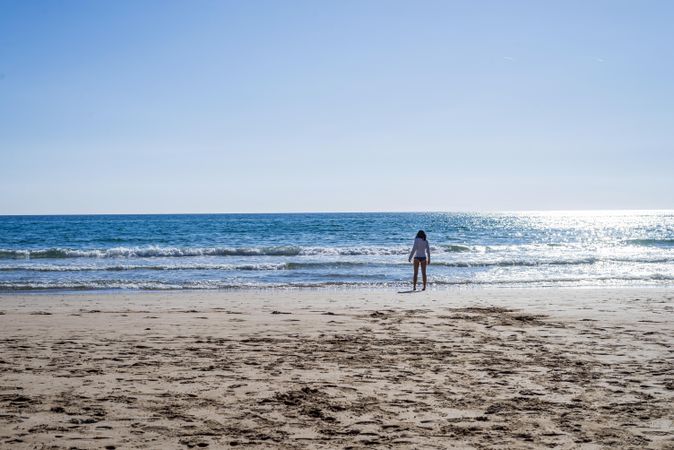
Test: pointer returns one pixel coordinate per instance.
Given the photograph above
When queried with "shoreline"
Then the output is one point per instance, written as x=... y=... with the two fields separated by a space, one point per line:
x=476 y=368
x=331 y=288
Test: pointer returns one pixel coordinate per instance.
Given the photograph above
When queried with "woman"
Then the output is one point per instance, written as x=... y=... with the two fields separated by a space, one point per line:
x=419 y=251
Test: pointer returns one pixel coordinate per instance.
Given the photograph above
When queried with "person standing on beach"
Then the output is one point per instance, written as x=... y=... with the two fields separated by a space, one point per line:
x=420 y=250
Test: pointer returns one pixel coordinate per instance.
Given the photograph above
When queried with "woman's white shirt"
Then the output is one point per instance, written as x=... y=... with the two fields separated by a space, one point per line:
x=420 y=248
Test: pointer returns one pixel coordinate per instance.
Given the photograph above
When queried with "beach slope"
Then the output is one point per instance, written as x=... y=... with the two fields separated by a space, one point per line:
x=479 y=368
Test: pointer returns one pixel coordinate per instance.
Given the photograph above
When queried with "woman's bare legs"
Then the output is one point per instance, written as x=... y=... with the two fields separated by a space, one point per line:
x=423 y=274
x=416 y=272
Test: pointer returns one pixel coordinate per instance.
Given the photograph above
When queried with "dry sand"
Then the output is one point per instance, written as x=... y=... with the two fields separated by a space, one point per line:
x=535 y=368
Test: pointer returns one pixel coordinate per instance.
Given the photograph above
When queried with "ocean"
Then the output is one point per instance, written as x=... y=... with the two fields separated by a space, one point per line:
x=225 y=251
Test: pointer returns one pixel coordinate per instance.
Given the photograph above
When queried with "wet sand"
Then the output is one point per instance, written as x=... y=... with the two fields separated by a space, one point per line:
x=506 y=368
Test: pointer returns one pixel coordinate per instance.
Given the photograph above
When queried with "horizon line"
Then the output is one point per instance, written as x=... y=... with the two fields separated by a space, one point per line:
x=511 y=211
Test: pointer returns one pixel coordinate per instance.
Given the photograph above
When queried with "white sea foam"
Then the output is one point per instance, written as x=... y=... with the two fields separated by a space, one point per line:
x=654 y=279
x=131 y=267
x=334 y=261
x=156 y=251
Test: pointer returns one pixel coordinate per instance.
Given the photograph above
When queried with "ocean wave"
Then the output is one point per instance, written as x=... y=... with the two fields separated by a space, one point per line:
x=651 y=242
x=588 y=280
x=268 y=266
x=152 y=285
x=122 y=268
x=169 y=252
x=154 y=251
x=165 y=286
x=282 y=250
x=114 y=285
x=318 y=265
x=455 y=248
x=147 y=252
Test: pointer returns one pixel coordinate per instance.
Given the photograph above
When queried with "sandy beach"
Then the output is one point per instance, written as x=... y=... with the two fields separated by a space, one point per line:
x=352 y=368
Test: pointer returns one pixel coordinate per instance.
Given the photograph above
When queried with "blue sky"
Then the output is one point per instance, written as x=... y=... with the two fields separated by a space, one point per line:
x=245 y=106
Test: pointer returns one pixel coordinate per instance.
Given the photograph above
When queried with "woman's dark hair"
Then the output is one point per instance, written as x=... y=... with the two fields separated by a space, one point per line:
x=421 y=234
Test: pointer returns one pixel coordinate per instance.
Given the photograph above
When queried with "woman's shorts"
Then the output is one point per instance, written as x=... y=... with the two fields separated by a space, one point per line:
x=420 y=258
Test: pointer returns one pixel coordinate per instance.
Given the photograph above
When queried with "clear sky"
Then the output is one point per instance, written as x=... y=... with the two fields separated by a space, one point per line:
x=345 y=105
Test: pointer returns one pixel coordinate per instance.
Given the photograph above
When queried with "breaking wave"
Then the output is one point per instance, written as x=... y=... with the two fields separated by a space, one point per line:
x=229 y=284
x=318 y=265
x=166 y=252
x=652 y=242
